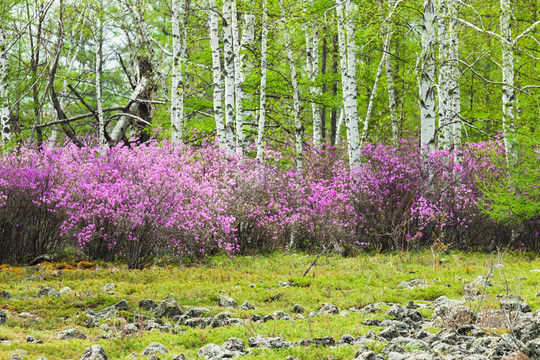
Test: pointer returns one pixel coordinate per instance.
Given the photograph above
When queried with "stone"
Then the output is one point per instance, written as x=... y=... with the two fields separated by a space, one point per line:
x=328 y=309
x=48 y=291
x=65 y=290
x=366 y=355
x=234 y=344
x=95 y=352
x=323 y=341
x=179 y=357
x=413 y=284
x=32 y=340
x=213 y=351
x=532 y=349
x=279 y=315
x=297 y=309
x=155 y=348
x=515 y=304
x=122 y=305
x=247 y=306
x=346 y=339
x=283 y=283
x=371 y=322
x=403 y=313
x=147 y=304
x=472 y=288
x=196 y=322
x=220 y=320
x=71 y=334
x=108 y=287
x=226 y=302
x=168 y=308
x=130 y=329
x=3 y=317
x=270 y=342
x=196 y=312
x=4 y=294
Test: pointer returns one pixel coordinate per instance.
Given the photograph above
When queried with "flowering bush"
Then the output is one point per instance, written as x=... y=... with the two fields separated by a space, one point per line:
x=133 y=204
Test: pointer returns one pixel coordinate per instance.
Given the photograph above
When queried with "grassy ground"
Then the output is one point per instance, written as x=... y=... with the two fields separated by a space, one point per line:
x=345 y=282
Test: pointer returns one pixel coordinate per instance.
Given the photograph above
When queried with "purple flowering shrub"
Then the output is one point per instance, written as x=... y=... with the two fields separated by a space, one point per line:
x=31 y=205
x=190 y=202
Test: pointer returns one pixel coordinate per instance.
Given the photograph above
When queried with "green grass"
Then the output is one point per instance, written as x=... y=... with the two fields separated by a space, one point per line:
x=345 y=282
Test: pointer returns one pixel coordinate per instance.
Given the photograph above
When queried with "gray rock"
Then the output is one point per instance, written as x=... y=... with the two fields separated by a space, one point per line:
x=179 y=357
x=196 y=312
x=279 y=315
x=290 y=357
x=3 y=317
x=473 y=288
x=247 y=306
x=371 y=322
x=168 y=308
x=346 y=339
x=328 y=309
x=220 y=320
x=226 y=302
x=65 y=290
x=4 y=294
x=122 y=305
x=283 y=283
x=213 y=351
x=15 y=356
x=155 y=348
x=71 y=334
x=515 y=304
x=234 y=344
x=32 y=340
x=42 y=358
x=532 y=349
x=403 y=313
x=196 y=322
x=95 y=352
x=323 y=341
x=413 y=284
x=130 y=329
x=108 y=287
x=366 y=355
x=147 y=304
x=270 y=342
x=48 y=291
x=297 y=309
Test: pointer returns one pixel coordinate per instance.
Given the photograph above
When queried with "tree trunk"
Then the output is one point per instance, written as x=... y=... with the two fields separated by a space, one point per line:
x=392 y=104
x=238 y=80
x=427 y=79
x=177 y=88
x=262 y=103
x=4 y=105
x=508 y=91
x=98 y=43
x=228 y=49
x=217 y=75
x=298 y=128
x=314 y=88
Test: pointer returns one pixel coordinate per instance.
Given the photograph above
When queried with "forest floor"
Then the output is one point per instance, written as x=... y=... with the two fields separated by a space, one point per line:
x=270 y=283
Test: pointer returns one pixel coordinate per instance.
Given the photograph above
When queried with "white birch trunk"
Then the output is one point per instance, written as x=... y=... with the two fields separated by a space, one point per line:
x=348 y=74
x=445 y=126
x=296 y=95
x=382 y=63
x=454 y=89
x=392 y=105
x=120 y=128
x=238 y=80
x=342 y=45
x=339 y=126
x=228 y=49
x=4 y=106
x=217 y=75
x=177 y=88
x=508 y=91
x=312 y=47
x=98 y=40
x=427 y=79
x=262 y=101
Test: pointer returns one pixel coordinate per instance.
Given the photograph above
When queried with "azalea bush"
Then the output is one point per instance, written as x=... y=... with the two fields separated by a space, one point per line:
x=194 y=201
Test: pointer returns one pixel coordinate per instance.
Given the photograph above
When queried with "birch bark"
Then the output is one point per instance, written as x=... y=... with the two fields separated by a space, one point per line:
x=217 y=75
x=98 y=48
x=4 y=106
x=454 y=91
x=262 y=101
x=177 y=88
x=228 y=49
x=347 y=50
x=312 y=47
x=238 y=80
x=427 y=79
x=508 y=92
x=298 y=129
x=389 y=69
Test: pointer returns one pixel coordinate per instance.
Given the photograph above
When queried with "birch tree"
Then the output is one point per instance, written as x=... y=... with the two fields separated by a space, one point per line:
x=389 y=70
x=217 y=74
x=427 y=79
x=347 y=52
x=508 y=91
x=4 y=86
x=177 y=87
x=262 y=101
x=312 y=62
x=228 y=51
x=298 y=129
x=98 y=48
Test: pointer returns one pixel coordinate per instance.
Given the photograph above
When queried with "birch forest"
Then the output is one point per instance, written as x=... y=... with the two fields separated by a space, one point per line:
x=341 y=124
